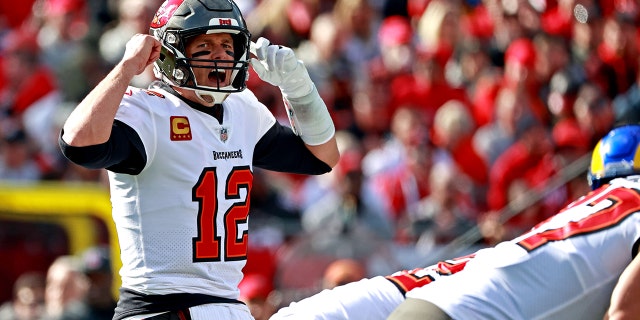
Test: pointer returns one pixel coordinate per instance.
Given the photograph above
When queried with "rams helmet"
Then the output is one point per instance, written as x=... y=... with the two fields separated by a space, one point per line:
x=178 y=20
x=616 y=155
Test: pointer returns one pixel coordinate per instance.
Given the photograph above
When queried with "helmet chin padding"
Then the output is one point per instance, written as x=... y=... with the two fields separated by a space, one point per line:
x=217 y=97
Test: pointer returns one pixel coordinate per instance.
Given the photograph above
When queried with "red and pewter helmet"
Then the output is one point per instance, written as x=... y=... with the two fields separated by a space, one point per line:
x=178 y=20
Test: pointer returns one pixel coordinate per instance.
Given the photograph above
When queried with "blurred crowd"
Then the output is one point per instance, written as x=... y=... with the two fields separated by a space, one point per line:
x=446 y=112
x=72 y=288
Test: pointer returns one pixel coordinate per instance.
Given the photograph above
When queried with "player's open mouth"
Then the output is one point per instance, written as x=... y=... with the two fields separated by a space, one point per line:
x=218 y=76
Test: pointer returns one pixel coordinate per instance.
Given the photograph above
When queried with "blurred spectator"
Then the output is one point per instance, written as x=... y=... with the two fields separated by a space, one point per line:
x=317 y=187
x=65 y=48
x=585 y=30
x=569 y=143
x=563 y=88
x=28 y=298
x=371 y=114
x=558 y=19
x=396 y=42
x=439 y=24
x=406 y=131
x=98 y=302
x=258 y=293
x=445 y=214
x=514 y=163
x=613 y=51
x=269 y=19
x=471 y=67
x=510 y=120
x=328 y=68
x=593 y=112
x=396 y=174
x=453 y=129
x=17 y=157
x=520 y=60
x=519 y=73
x=358 y=24
x=134 y=17
x=344 y=211
x=626 y=105
x=496 y=23
x=495 y=228
x=342 y=271
x=14 y=15
x=66 y=287
x=553 y=56
x=31 y=99
x=425 y=85
x=30 y=93
x=270 y=210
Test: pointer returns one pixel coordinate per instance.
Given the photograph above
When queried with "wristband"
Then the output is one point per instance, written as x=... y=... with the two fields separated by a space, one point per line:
x=309 y=118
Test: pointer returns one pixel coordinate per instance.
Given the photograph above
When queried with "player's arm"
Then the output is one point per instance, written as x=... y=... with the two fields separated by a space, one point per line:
x=307 y=111
x=367 y=299
x=124 y=151
x=624 y=299
x=281 y=150
x=91 y=121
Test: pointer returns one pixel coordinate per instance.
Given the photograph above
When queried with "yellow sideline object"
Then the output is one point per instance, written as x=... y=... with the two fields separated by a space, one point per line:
x=73 y=206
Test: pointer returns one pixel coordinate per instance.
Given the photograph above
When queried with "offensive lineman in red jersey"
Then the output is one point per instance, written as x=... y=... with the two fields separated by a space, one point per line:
x=564 y=268
x=180 y=155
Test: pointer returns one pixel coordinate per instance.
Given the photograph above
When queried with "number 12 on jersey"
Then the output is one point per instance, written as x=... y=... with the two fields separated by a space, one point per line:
x=207 y=246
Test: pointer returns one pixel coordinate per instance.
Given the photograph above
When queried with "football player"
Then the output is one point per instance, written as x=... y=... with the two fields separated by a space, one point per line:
x=368 y=299
x=180 y=154
x=564 y=268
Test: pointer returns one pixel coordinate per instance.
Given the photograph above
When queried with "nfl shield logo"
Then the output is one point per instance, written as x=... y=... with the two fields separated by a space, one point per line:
x=224 y=134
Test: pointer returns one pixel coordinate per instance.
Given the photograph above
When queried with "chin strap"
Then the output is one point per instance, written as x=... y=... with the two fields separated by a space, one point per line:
x=217 y=97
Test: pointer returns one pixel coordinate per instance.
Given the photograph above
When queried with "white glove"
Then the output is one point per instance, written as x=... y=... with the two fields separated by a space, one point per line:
x=279 y=66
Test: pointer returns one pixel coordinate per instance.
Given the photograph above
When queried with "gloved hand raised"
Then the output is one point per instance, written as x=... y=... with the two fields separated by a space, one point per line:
x=279 y=66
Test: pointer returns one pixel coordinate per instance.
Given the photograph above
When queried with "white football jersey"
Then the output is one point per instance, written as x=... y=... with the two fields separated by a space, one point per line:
x=564 y=268
x=182 y=222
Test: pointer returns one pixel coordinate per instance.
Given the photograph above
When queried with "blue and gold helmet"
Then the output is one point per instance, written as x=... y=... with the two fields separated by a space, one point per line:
x=616 y=155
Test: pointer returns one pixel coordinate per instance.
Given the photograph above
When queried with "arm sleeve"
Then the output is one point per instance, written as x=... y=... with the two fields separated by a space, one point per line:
x=281 y=150
x=122 y=153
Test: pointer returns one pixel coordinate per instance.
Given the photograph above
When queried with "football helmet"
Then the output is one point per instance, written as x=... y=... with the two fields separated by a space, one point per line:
x=616 y=155
x=176 y=21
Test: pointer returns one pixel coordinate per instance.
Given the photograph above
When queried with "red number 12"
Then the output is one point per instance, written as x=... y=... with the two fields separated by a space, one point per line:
x=207 y=245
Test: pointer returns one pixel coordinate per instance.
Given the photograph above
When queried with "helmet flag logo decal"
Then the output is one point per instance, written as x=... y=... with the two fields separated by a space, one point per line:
x=165 y=13
x=224 y=22
x=180 y=128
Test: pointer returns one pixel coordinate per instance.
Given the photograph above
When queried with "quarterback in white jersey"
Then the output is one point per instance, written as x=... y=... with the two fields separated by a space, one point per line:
x=564 y=268
x=181 y=154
